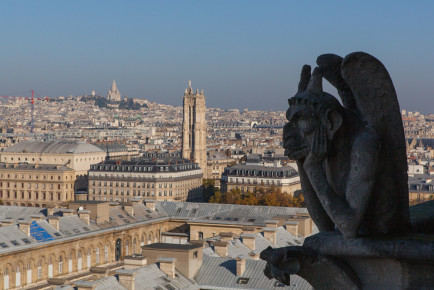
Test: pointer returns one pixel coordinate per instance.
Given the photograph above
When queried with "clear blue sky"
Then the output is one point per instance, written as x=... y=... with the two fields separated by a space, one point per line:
x=244 y=54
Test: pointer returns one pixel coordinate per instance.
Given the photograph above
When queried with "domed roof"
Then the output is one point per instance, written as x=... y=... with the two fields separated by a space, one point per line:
x=53 y=147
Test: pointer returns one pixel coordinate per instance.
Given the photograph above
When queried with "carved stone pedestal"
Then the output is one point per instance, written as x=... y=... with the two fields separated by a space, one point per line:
x=328 y=261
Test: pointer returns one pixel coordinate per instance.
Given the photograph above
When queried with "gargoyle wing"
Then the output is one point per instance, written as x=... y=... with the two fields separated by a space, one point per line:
x=376 y=101
x=330 y=65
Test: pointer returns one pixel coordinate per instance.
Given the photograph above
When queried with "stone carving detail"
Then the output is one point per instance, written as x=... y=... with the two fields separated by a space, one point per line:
x=353 y=169
x=351 y=158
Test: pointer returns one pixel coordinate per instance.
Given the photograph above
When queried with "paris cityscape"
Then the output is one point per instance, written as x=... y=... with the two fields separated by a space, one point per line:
x=174 y=180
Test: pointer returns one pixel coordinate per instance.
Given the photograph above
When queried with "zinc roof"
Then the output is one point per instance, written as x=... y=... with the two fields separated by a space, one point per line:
x=220 y=273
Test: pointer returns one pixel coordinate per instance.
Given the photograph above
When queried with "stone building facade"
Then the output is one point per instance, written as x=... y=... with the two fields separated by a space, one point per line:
x=42 y=248
x=171 y=179
x=216 y=164
x=76 y=155
x=39 y=185
x=247 y=177
x=194 y=127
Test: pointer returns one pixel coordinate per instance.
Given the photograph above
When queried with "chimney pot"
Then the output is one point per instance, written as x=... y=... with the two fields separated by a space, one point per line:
x=167 y=265
x=241 y=266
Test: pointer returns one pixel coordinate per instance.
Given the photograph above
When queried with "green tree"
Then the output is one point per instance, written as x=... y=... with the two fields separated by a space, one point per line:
x=209 y=189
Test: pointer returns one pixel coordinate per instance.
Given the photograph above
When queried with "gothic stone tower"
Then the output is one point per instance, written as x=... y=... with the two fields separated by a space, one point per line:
x=194 y=127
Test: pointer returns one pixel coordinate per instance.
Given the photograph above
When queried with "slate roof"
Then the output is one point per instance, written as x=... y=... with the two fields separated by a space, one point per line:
x=150 y=277
x=8 y=234
x=146 y=165
x=204 y=211
x=50 y=147
x=236 y=247
x=20 y=212
x=72 y=225
x=220 y=273
x=244 y=170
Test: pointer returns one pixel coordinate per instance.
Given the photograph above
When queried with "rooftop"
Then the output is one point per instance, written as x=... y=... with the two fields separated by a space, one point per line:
x=53 y=147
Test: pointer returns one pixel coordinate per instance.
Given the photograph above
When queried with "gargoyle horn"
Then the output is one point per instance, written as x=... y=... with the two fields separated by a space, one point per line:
x=315 y=83
x=304 y=78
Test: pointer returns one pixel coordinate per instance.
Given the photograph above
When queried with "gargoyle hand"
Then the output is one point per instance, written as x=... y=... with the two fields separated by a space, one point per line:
x=279 y=265
x=319 y=148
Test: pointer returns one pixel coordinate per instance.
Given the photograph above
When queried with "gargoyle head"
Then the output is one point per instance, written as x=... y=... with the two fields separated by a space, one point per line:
x=310 y=108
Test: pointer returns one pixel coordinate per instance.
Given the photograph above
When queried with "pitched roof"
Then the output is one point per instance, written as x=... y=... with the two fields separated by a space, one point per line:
x=220 y=273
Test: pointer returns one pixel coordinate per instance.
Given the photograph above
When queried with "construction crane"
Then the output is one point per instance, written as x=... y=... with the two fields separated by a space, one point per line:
x=32 y=107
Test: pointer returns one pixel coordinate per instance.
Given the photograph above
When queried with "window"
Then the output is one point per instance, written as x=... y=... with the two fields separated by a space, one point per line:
x=97 y=255
x=243 y=281
x=60 y=265
x=106 y=253
x=39 y=270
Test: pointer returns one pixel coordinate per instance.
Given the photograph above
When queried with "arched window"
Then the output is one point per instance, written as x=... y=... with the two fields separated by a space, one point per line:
x=200 y=235
x=106 y=253
x=89 y=258
x=134 y=245
x=50 y=268
x=70 y=263
x=29 y=273
x=6 y=279
x=18 y=277
x=97 y=255
x=79 y=261
x=39 y=270
x=127 y=244
x=60 y=265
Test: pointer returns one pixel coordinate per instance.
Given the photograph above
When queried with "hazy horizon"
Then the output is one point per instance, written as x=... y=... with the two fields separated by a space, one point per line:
x=244 y=54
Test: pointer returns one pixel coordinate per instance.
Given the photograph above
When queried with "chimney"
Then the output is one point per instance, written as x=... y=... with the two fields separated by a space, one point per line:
x=221 y=248
x=85 y=285
x=150 y=204
x=167 y=265
x=7 y=222
x=54 y=222
x=254 y=255
x=270 y=234
x=67 y=212
x=304 y=224
x=126 y=278
x=134 y=261
x=25 y=227
x=241 y=266
x=50 y=211
x=248 y=230
x=84 y=215
x=129 y=209
x=292 y=227
x=248 y=240
x=226 y=237
x=271 y=224
x=36 y=217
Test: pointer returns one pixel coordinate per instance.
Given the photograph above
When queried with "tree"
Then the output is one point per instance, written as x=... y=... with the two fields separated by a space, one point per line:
x=209 y=189
x=268 y=196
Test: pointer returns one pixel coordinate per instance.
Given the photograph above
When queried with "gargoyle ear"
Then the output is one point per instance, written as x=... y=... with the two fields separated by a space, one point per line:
x=332 y=122
x=315 y=82
x=304 y=78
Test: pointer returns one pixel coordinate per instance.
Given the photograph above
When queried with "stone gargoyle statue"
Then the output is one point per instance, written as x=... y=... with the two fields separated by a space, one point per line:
x=351 y=158
x=353 y=169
